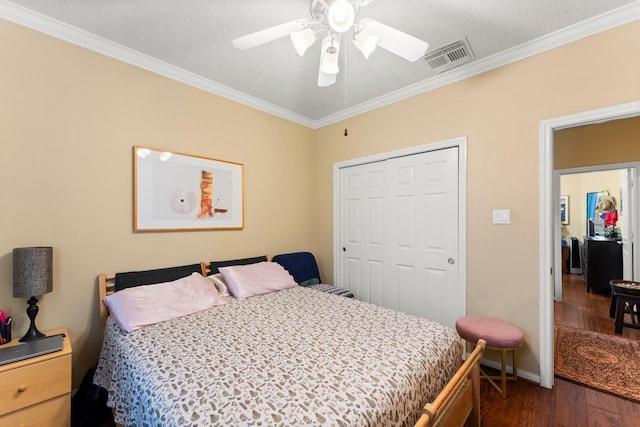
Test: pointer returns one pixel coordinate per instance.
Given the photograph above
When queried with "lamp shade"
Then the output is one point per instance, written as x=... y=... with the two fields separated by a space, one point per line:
x=32 y=271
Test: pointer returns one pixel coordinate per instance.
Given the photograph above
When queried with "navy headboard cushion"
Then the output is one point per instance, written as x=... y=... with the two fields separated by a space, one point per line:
x=149 y=277
x=215 y=265
x=302 y=266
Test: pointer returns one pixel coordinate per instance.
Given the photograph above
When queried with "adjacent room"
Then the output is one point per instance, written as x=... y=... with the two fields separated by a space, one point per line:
x=598 y=222
x=329 y=207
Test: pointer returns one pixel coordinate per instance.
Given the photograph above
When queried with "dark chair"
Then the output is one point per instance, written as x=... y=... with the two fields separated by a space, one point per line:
x=625 y=299
x=304 y=269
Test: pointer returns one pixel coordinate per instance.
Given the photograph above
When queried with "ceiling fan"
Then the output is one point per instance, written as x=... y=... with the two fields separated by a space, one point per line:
x=337 y=17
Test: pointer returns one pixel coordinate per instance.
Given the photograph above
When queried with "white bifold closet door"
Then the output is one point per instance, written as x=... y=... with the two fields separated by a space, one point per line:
x=399 y=232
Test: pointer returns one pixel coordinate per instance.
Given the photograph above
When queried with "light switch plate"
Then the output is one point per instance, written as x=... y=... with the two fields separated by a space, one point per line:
x=502 y=216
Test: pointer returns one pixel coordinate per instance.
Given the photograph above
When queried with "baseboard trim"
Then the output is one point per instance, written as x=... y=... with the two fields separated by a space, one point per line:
x=521 y=372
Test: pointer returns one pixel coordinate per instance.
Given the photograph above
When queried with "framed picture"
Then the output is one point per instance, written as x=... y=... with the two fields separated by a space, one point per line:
x=176 y=191
x=564 y=209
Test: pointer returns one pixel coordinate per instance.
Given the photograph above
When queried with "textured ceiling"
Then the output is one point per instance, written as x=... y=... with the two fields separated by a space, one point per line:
x=194 y=37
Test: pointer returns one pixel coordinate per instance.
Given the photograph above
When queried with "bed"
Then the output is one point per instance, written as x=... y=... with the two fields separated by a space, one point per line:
x=294 y=356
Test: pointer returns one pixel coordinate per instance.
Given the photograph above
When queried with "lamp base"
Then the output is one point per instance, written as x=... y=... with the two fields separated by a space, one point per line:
x=33 y=333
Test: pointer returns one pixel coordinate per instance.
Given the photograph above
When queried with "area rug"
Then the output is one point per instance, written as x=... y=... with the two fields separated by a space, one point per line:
x=604 y=362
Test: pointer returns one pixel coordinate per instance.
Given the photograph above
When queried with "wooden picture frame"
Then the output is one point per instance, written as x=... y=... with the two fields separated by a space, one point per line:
x=177 y=192
x=564 y=210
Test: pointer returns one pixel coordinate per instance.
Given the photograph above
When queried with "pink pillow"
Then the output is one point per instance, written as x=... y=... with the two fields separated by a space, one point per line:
x=140 y=306
x=245 y=281
x=218 y=282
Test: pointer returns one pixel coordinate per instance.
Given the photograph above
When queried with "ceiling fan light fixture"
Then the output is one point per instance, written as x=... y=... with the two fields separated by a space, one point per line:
x=325 y=80
x=365 y=42
x=341 y=15
x=334 y=18
x=302 y=40
x=330 y=61
x=329 y=55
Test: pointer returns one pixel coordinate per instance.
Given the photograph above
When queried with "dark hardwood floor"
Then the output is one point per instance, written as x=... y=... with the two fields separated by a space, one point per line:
x=590 y=311
x=567 y=404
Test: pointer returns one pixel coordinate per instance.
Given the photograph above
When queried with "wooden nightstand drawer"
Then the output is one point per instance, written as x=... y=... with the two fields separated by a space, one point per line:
x=51 y=413
x=37 y=391
x=37 y=382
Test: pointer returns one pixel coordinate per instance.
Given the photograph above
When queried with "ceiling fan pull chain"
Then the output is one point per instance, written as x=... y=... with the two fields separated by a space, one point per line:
x=346 y=70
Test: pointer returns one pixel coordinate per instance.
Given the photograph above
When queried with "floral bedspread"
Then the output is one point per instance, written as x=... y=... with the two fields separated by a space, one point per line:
x=297 y=357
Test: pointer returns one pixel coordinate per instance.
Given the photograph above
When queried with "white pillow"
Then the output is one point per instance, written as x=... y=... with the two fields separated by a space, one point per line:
x=140 y=306
x=245 y=281
x=219 y=283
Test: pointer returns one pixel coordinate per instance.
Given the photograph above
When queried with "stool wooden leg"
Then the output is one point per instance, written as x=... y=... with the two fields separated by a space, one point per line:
x=619 y=316
x=633 y=311
x=503 y=376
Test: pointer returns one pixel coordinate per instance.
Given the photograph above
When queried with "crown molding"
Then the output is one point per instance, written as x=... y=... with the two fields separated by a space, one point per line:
x=52 y=27
x=606 y=21
x=47 y=25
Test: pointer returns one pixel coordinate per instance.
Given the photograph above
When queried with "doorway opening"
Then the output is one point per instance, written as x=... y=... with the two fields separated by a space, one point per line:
x=592 y=247
x=580 y=191
x=549 y=219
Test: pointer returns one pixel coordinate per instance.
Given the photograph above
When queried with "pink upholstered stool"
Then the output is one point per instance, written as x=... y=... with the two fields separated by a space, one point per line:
x=499 y=335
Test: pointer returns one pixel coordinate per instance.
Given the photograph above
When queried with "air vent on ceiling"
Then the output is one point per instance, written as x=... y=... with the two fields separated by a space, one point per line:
x=449 y=56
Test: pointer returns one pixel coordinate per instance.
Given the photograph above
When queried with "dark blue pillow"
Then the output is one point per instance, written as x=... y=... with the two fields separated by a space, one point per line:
x=301 y=265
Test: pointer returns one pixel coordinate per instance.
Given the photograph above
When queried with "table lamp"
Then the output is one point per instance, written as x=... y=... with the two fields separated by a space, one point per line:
x=32 y=277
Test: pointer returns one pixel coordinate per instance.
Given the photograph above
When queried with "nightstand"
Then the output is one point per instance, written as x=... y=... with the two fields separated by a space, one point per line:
x=37 y=391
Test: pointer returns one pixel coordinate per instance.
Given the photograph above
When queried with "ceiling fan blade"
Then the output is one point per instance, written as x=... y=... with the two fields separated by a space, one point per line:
x=269 y=34
x=398 y=42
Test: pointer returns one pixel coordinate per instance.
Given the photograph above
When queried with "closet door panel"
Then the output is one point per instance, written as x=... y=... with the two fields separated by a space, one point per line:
x=402 y=296
x=376 y=282
x=362 y=225
x=436 y=217
x=405 y=221
x=399 y=232
x=423 y=234
x=434 y=287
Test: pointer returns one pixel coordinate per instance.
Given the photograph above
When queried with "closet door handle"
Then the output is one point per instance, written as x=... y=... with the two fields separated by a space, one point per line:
x=451 y=261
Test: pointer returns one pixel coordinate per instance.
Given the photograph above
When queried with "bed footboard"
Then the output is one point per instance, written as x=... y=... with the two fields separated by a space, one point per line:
x=458 y=404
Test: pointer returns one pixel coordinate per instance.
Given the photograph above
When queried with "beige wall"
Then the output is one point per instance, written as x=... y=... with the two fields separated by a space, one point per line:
x=500 y=112
x=599 y=144
x=69 y=117
x=68 y=120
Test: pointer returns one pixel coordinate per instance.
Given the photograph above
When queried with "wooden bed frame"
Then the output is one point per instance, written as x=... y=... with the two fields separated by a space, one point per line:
x=457 y=405
x=106 y=286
